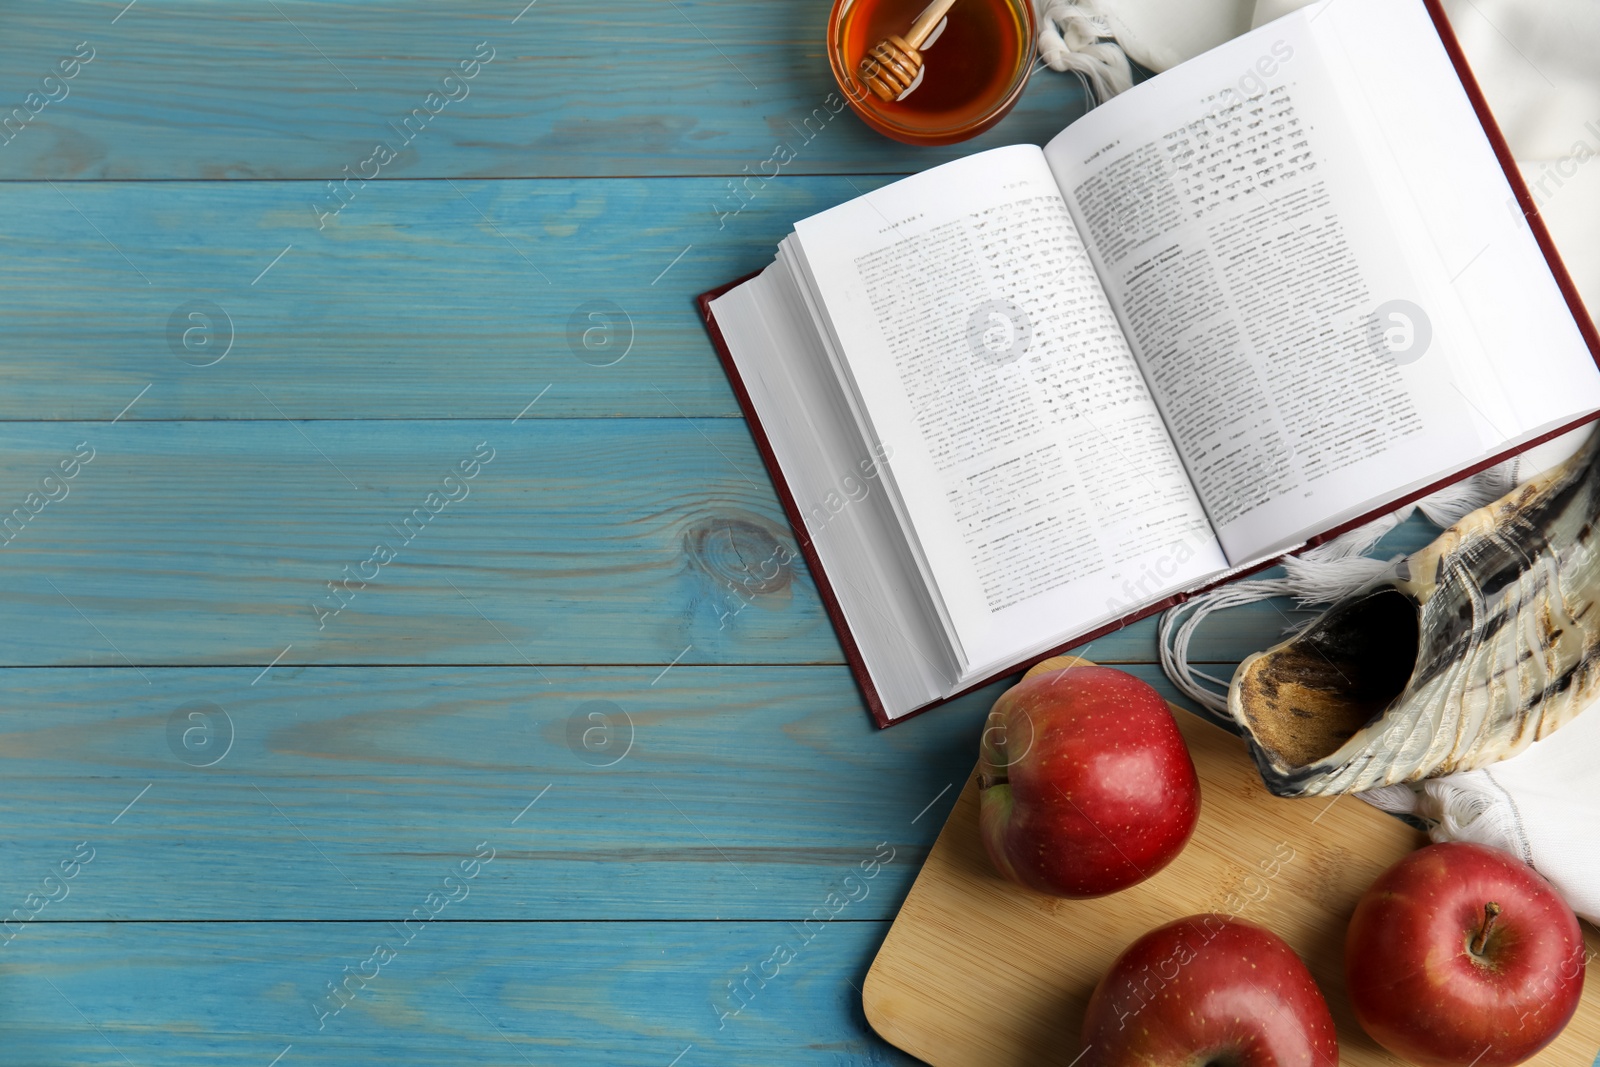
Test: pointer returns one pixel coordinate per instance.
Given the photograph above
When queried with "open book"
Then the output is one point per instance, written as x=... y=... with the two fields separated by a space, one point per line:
x=1022 y=398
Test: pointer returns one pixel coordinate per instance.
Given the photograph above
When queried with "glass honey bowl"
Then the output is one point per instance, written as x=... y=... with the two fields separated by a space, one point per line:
x=974 y=69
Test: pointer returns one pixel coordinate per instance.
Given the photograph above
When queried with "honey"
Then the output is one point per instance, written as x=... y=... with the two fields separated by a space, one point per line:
x=973 y=72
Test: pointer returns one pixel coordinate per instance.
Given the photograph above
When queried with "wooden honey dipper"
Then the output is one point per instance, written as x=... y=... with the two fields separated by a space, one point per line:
x=892 y=65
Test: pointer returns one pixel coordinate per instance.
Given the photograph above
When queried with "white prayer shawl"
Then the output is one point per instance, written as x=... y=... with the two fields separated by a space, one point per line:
x=1542 y=805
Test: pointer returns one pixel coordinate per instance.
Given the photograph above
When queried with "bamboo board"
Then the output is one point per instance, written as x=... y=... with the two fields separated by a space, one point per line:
x=977 y=972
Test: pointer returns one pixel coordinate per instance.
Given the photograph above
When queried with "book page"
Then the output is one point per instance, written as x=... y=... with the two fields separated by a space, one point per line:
x=1034 y=472
x=1253 y=264
x=1458 y=218
x=835 y=481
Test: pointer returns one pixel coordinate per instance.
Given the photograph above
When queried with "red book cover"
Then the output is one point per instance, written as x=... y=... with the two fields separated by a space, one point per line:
x=825 y=591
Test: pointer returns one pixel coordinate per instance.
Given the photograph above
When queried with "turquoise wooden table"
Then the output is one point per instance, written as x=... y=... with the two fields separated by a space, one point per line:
x=386 y=672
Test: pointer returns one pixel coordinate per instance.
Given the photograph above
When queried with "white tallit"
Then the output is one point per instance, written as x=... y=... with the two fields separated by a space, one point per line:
x=1535 y=62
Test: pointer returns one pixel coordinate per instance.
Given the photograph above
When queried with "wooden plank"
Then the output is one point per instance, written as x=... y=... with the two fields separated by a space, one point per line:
x=604 y=994
x=333 y=792
x=589 y=541
x=302 y=89
x=421 y=299
x=343 y=793
x=979 y=972
x=586 y=541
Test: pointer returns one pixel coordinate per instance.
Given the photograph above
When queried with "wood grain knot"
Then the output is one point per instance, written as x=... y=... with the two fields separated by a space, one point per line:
x=748 y=555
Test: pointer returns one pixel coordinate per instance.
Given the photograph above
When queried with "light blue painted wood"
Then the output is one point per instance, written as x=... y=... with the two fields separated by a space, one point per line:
x=250 y=89
x=582 y=541
x=344 y=793
x=335 y=793
x=421 y=299
x=602 y=994
x=590 y=541
x=183 y=559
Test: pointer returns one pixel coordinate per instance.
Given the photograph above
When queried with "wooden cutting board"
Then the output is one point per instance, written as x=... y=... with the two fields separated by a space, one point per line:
x=977 y=972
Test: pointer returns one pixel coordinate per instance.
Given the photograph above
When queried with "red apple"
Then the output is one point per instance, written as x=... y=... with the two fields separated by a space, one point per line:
x=1086 y=785
x=1209 y=990
x=1461 y=954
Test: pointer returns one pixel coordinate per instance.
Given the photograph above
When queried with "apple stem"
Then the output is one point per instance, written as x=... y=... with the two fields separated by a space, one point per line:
x=986 y=780
x=1491 y=912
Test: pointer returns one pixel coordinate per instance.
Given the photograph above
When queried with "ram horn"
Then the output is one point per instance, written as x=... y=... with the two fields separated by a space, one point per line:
x=1461 y=655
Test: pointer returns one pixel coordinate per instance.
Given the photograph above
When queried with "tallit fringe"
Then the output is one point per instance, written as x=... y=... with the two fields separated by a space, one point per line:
x=1074 y=38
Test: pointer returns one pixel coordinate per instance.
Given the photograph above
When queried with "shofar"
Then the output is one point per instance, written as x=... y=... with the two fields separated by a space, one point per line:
x=1464 y=654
